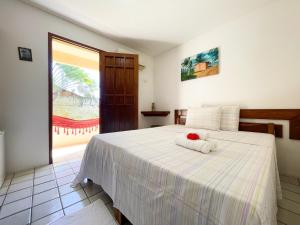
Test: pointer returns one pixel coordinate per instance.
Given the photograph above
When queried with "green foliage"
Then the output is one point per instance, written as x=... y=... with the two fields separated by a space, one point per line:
x=211 y=56
x=67 y=77
x=187 y=77
x=187 y=68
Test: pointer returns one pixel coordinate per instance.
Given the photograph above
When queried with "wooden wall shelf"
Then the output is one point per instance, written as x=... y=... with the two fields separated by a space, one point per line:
x=155 y=113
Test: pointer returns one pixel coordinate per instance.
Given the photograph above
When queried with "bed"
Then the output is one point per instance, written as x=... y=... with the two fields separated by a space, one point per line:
x=153 y=181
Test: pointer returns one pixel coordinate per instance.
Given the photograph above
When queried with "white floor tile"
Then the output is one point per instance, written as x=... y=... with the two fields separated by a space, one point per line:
x=48 y=219
x=76 y=164
x=103 y=196
x=44 y=179
x=64 y=173
x=45 y=196
x=15 y=207
x=290 y=205
x=25 y=172
x=288 y=217
x=14 y=196
x=6 y=182
x=289 y=180
x=74 y=208
x=44 y=187
x=21 y=218
x=61 y=168
x=19 y=186
x=110 y=208
x=291 y=196
x=3 y=190
x=9 y=176
x=2 y=199
x=46 y=209
x=92 y=189
x=67 y=188
x=76 y=169
x=65 y=180
x=42 y=173
x=72 y=198
x=60 y=164
x=22 y=178
x=291 y=187
x=44 y=168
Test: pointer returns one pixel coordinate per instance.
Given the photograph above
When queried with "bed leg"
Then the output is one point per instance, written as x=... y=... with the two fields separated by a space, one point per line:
x=89 y=181
x=118 y=216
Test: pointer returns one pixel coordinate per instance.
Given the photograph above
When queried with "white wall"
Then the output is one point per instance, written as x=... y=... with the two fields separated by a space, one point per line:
x=24 y=85
x=259 y=68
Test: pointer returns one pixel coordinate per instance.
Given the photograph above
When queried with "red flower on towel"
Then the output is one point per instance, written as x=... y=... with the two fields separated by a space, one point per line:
x=193 y=136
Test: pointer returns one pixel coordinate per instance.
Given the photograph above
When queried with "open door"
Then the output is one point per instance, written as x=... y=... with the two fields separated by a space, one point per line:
x=74 y=94
x=119 y=92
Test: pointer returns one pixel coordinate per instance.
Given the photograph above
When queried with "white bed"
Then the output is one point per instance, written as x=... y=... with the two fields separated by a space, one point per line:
x=152 y=181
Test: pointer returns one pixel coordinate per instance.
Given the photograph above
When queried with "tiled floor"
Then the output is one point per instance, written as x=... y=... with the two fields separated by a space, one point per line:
x=41 y=195
x=289 y=206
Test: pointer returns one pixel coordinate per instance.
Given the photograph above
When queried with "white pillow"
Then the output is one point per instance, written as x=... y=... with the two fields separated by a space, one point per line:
x=230 y=117
x=204 y=118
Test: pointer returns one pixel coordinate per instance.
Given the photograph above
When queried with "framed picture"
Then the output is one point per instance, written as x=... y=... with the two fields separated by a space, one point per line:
x=200 y=65
x=25 y=54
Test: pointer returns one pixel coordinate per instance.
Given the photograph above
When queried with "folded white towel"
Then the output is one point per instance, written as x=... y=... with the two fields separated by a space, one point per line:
x=197 y=145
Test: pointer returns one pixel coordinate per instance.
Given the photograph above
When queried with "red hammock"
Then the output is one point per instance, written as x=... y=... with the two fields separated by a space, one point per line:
x=76 y=126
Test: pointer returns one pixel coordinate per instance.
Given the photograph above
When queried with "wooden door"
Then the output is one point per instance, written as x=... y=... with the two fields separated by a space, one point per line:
x=119 y=92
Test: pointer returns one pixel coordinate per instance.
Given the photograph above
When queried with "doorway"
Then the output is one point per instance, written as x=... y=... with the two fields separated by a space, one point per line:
x=74 y=97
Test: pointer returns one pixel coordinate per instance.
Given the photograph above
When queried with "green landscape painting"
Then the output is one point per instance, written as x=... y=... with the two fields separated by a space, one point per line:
x=200 y=65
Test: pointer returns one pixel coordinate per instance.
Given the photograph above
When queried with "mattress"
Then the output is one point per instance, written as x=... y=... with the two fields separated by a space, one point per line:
x=152 y=181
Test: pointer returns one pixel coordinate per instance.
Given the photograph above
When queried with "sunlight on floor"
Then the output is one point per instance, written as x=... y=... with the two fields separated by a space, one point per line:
x=68 y=153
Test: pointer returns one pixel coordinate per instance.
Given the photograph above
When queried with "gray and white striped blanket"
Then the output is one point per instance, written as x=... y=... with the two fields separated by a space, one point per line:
x=153 y=181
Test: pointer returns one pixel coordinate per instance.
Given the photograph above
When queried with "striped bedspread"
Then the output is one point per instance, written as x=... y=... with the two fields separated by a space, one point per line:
x=153 y=181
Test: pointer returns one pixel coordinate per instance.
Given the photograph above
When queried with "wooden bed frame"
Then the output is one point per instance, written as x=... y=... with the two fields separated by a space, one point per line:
x=292 y=115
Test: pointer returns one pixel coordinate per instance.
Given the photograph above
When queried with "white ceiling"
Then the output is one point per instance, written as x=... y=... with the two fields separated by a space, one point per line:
x=151 y=26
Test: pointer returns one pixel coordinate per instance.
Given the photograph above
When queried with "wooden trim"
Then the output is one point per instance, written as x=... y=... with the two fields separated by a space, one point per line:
x=270 y=128
x=292 y=115
x=155 y=113
x=50 y=100
x=118 y=215
x=136 y=79
x=272 y=114
x=79 y=44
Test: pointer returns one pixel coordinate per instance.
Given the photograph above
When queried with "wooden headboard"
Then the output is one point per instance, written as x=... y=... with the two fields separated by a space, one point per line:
x=292 y=115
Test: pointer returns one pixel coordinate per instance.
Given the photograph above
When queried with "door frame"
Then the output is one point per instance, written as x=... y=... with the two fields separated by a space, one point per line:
x=50 y=97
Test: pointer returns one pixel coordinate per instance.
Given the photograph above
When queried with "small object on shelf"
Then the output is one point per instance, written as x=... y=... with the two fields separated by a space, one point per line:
x=153 y=126
x=153 y=106
x=155 y=113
